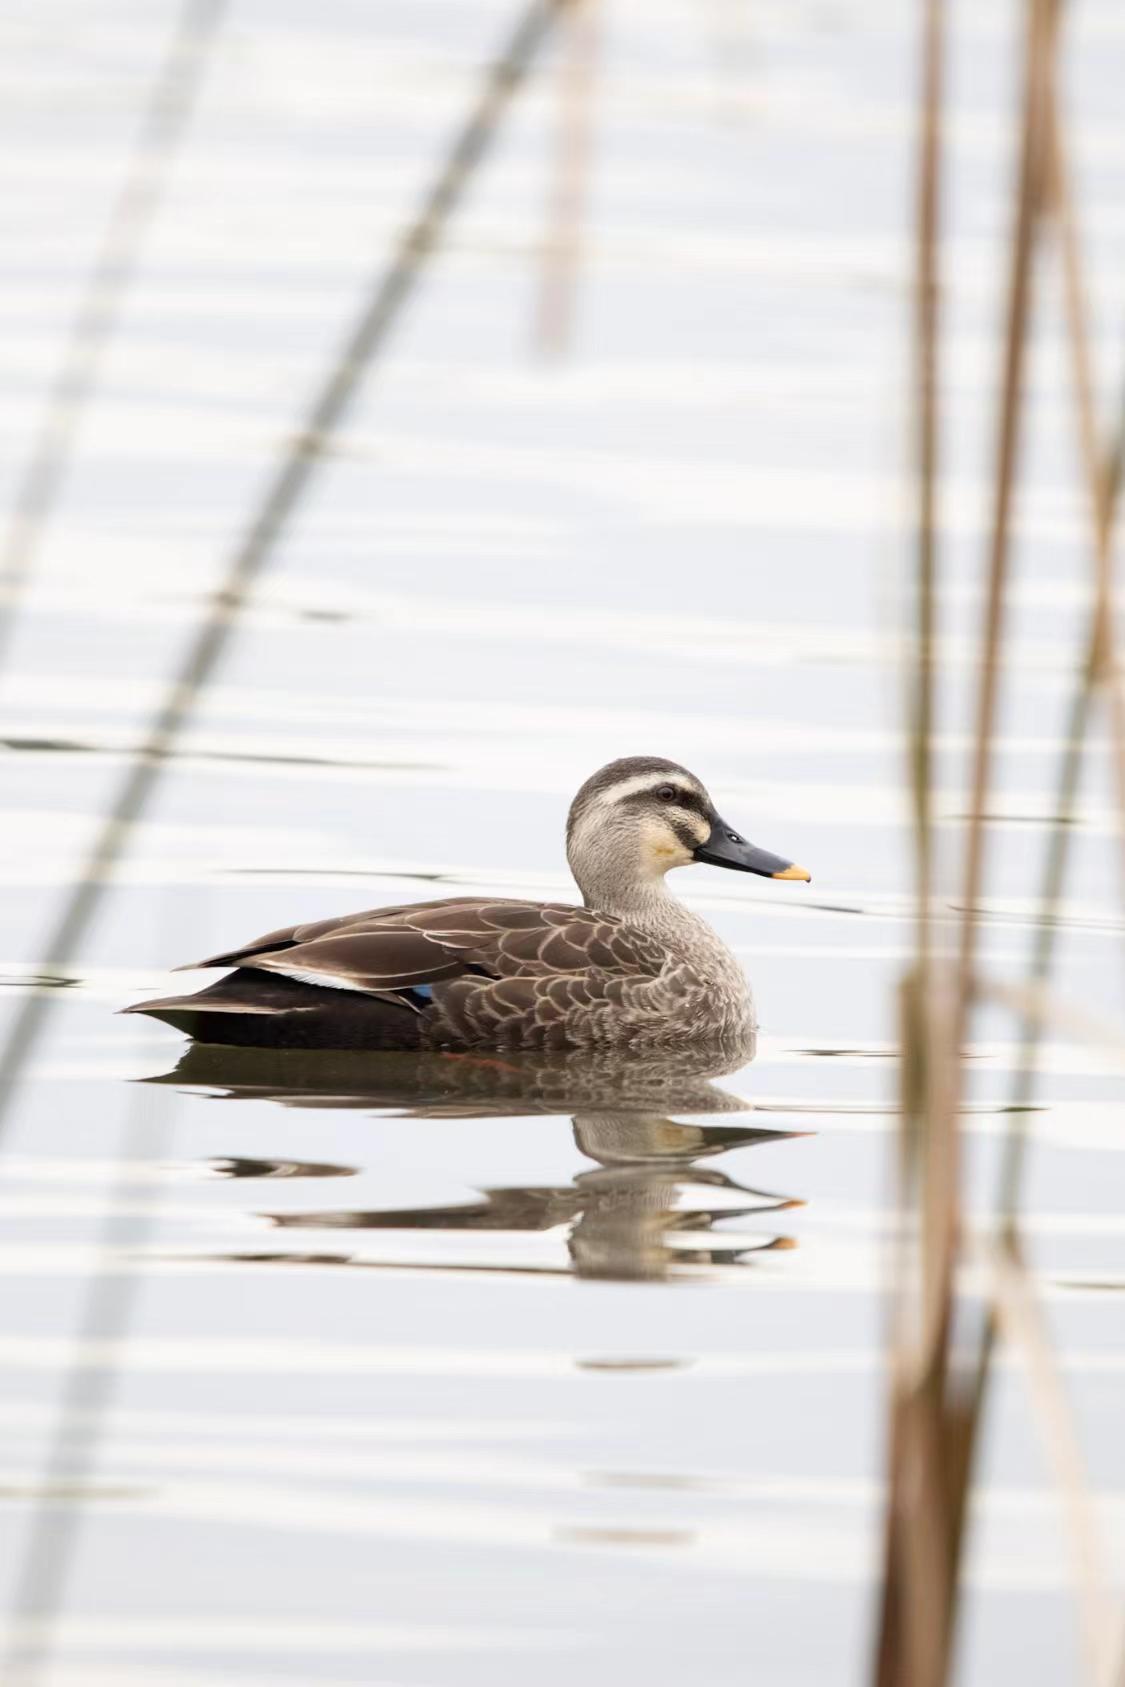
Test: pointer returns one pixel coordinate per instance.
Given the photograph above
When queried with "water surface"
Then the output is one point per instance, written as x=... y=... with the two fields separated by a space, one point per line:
x=449 y=1373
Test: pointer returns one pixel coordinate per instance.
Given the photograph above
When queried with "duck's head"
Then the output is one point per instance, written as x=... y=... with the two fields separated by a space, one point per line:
x=638 y=817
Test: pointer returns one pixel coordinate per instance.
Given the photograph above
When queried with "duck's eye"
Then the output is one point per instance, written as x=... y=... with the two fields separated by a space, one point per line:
x=666 y=793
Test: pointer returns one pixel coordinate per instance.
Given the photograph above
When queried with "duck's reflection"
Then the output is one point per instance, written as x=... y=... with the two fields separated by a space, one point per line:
x=646 y=1210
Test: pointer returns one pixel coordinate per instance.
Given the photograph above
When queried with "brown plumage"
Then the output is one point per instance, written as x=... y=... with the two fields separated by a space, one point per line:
x=469 y=972
x=495 y=973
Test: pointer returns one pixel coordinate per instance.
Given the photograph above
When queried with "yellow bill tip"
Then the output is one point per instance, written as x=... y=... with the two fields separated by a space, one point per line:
x=794 y=873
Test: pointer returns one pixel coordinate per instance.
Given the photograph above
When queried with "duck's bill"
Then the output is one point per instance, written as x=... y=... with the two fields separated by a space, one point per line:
x=725 y=848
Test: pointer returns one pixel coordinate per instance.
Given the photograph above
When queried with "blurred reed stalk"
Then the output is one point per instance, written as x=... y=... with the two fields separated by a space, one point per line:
x=568 y=190
x=172 y=98
x=254 y=547
x=88 y=1383
x=67 y=1480
x=938 y=1398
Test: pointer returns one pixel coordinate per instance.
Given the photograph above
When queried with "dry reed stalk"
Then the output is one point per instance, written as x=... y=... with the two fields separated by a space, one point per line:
x=170 y=103
x=1021 y=1322
x=1103 y=474
x=911 y=1556
x=1037 y=1005
x=1103 y=471
x=285 y=488
x=569 y=190
x=927 y=324
x=1032 y=1000
x=1102 y=466
x=932 y=1421
x=83 y=1404
x=1038 y=105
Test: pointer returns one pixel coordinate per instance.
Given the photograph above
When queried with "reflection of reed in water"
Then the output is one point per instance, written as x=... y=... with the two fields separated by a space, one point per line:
x=647 y=1210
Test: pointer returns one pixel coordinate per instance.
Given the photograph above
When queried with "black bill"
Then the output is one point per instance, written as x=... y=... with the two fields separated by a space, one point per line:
x=727 y=848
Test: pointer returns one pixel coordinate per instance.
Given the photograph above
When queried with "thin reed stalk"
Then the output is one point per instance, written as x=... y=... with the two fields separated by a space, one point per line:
x=909 y=1635
x=85 y=1401
x=1021 y=1322
x=906 y=1635
x=174 y=91
x=933 y=1419
x=1038 y=106
x=286 y=487
x=1102 y=465
x=568 y=193
x=1035 y=1004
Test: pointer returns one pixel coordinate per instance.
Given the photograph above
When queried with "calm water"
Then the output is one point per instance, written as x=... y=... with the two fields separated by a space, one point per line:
x=447 y=1373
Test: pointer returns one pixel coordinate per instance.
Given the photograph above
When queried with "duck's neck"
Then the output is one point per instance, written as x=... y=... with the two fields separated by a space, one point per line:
x=649 y=903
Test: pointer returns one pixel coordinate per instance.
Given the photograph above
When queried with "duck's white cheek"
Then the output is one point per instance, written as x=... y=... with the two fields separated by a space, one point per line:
x=661 y=849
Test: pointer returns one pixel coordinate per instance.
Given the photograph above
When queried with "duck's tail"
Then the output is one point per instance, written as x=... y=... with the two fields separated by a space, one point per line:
x=249 y=1009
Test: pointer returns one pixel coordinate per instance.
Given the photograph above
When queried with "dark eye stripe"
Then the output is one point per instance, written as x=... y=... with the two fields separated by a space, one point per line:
x=690 y=800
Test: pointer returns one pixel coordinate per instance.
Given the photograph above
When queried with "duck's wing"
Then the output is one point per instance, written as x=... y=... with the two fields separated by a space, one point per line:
x=426 y=943
x=286 y=937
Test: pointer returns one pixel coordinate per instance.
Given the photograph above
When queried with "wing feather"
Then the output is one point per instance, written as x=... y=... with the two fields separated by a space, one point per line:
x=525 y=956
x=369 y=961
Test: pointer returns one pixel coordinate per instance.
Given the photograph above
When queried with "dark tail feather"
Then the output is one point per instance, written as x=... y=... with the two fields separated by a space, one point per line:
x=249 y=1009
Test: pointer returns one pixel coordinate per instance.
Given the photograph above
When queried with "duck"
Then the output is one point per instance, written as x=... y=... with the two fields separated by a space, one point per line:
x=631 y=969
